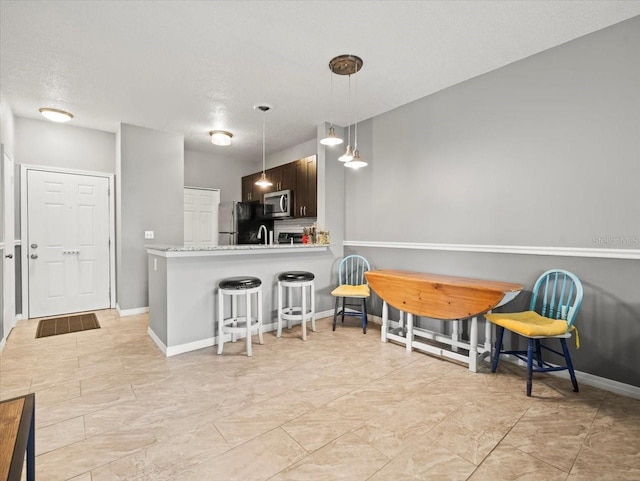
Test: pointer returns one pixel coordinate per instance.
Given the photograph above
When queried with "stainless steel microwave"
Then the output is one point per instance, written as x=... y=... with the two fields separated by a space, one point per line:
x=278 y=204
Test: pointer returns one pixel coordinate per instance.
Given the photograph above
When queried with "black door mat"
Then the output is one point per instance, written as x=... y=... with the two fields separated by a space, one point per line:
x=66 y=324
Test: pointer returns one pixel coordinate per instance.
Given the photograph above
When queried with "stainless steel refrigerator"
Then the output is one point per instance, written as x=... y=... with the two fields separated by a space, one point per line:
x=239 y=222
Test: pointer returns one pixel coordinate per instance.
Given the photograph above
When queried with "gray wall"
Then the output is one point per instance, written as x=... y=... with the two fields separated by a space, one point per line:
x=296 y=152
x=215 y=171
x=542 y=152
x=45 y=143
x=149 y=196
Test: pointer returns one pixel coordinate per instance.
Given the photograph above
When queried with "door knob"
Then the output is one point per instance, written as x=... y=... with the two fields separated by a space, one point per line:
x=9 y=256
x=34 y=246
x=34 y=256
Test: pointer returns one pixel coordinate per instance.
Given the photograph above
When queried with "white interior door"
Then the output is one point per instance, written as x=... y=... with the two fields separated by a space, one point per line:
x=67 y=242
x=8 y=257
x=201 y=217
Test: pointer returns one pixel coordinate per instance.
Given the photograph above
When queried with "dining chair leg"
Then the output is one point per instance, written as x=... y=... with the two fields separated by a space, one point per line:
x=530 y=366
x=567 y=358
x=496 y=355
x=335 y=313
x=344 y=299
x=538 y=353
x=364 y=316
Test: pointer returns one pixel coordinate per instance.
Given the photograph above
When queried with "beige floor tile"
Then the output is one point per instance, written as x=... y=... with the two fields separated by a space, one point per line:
x=348 y=458
x=58 y=435
x=426 y=460
x=343 y=405
x=257 y=460
x=508 y=464
x=553 y=432
x=403 y=424
x=476 y=428
x=83 y=456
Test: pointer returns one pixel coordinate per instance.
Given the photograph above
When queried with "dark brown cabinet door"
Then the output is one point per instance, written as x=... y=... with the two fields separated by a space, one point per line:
x=306 y=192
x=250 y=191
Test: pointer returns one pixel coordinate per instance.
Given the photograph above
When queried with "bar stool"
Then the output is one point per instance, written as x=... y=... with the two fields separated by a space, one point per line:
x=234 y=287
x=291 y=280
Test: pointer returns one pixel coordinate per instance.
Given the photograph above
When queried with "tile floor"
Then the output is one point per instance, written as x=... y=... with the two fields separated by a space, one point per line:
x=342 y=406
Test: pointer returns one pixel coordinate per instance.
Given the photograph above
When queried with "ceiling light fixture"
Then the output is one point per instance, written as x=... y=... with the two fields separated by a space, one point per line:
x=356 y=162
x=55 y=115
x=346 y=65
x=331 y=138
x=263 y=181
x=220 y=137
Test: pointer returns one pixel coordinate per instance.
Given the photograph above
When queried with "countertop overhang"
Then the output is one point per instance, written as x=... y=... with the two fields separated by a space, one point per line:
x=251 y=249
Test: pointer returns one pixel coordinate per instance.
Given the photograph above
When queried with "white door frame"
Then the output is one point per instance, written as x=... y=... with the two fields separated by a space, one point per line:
x=8 y=244
x=24 y=227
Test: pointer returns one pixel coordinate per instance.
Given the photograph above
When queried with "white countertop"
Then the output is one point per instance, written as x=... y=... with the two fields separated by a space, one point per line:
x=194 y=251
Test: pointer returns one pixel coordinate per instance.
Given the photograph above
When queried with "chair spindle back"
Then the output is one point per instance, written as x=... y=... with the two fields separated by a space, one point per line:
x=351 y=270
x=557 y=294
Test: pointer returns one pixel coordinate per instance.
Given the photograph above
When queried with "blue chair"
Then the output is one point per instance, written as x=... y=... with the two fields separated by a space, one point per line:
x=353 y=285
x=555 y=301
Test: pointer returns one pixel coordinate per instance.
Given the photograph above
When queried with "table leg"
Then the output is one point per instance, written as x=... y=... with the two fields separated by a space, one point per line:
x=31 y=446
x=473 y=349
x=385 y=320
x=409 y=337
x=455 y=334
x=487 y=336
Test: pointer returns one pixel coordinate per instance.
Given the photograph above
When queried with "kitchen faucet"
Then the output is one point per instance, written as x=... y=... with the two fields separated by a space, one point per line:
x=266 y=233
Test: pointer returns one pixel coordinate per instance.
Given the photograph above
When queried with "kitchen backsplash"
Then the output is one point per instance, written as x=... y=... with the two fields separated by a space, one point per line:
x=291 y=225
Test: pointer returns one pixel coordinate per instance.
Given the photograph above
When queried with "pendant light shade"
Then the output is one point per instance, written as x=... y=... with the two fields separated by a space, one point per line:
x=356 y=163
x=331 y=139
x=347 y=156
x=263 y=181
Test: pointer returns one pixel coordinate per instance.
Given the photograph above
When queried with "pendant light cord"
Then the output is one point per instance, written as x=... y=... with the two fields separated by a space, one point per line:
x=349 y=113
x=263 y=142
x=355 y=111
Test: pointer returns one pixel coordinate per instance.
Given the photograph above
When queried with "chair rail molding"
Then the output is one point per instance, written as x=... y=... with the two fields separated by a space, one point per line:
x=595 y=252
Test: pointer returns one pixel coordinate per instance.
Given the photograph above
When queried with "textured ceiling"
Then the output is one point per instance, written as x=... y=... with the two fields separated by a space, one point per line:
x=194 y=66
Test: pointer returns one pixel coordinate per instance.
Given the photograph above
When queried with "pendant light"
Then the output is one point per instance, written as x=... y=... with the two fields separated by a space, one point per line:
x=263 y=182
x=331 y=138
x=346 y=65
x=356 y=162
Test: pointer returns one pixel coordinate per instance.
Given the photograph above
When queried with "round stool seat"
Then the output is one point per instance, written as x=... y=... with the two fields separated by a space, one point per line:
x=241 y=282
x=291 y=276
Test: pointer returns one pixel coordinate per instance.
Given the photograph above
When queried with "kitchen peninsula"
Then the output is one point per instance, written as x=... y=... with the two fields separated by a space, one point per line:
x=183 y=283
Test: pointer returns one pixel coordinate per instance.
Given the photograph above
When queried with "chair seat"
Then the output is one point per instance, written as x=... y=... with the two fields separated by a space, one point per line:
x=529 y=324
x=241 y=282
x=346 y=290
x=292 y=276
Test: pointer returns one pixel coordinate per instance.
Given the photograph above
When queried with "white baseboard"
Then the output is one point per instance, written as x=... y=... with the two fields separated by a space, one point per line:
x=131 y=312
x=157 y=340
x=18 y=317
x=190 y=346
x=3 y=341
x=610 y=385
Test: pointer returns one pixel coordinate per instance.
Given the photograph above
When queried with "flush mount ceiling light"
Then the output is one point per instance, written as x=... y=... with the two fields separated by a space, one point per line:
x=220 y=137
x=263 y=181
x=55 y=115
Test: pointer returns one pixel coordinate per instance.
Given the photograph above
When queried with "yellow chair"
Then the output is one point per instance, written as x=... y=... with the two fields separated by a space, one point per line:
x=555 y=301
x=352 y=285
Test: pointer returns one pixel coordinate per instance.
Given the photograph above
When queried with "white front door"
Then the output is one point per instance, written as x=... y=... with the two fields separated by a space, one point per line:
x=201 y=217
x=67 y=242
x=8 y=258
